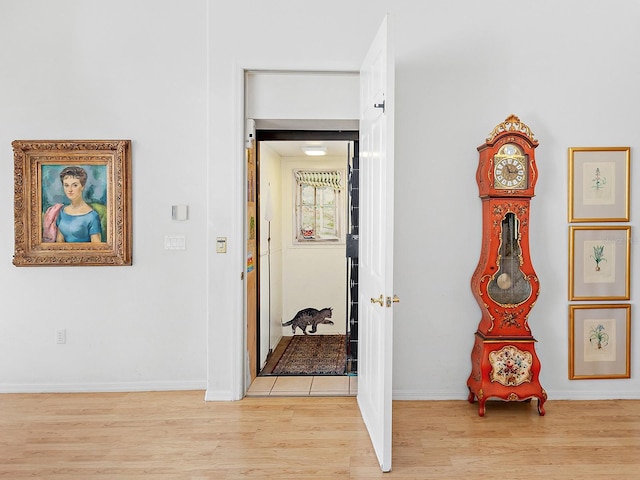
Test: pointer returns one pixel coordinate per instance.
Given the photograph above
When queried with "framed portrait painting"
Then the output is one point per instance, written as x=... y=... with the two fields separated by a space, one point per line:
x=72 y=202
x=599 y=341
x=599 y=262
x=599 y=184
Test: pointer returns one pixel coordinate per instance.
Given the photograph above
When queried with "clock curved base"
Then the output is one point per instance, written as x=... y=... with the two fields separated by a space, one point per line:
x=512 y=397
x=505 y=369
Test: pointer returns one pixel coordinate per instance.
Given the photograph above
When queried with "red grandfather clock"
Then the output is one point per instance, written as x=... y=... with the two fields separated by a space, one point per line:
x=504 y=361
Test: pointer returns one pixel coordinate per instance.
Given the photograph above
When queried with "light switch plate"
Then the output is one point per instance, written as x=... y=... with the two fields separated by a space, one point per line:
x=221 y=245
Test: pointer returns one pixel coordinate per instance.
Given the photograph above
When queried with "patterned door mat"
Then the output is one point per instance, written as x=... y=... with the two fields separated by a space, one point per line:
x=313 y=355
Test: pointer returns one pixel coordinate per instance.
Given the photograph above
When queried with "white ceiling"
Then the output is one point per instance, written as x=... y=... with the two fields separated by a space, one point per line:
x=287 y=148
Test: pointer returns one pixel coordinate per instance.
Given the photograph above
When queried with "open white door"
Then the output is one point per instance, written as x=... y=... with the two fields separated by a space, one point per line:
x=375 y=319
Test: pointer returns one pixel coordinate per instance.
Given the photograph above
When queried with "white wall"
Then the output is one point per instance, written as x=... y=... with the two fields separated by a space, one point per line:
x=313 y=275
x=568 y=69
x=168 y=75
x=299 y=95
x=270 y=282
x=99 y=70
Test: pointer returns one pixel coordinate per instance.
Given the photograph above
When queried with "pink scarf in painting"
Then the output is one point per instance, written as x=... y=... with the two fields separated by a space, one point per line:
x=50 y=230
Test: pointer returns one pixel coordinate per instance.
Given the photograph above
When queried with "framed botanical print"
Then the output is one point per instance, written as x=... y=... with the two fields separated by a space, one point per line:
x=72 y=202
x=599 y=184
x=599 y=341
x=599 y=262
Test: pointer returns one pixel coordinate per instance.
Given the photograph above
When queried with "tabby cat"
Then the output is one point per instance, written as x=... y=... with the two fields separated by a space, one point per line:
x=310 y=316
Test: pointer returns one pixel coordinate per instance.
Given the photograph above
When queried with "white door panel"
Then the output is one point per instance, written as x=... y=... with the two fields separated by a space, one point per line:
x=375 y=322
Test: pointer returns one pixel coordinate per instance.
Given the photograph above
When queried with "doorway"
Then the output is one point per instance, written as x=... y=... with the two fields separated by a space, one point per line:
x=306 y=253
x=372 y=106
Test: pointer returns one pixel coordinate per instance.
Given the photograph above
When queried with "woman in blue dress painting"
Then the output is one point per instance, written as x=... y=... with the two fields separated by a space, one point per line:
x=77 y=222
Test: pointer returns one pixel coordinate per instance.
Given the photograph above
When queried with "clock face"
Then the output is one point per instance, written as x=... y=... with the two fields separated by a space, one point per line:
x=510 y=168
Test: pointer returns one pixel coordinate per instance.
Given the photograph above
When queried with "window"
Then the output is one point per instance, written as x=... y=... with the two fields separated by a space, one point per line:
x=318 y=205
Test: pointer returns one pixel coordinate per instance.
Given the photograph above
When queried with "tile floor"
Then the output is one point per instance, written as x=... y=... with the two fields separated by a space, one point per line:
x=294 y=386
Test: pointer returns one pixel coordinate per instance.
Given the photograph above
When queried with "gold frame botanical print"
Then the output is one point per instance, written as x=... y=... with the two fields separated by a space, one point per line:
x=72 y=202
x=599 y=262
x=599 y=184
x=599 y=341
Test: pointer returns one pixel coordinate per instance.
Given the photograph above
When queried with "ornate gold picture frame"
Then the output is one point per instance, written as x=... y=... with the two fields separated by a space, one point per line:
x=599 y=184
x=599 y=341
x=72 y=202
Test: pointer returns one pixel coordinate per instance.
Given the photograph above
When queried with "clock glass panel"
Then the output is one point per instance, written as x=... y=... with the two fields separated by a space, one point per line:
x=509 y=286
x=510 y=168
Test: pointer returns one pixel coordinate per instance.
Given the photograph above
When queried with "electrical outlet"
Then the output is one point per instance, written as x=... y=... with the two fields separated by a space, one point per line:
x=175 y=242
x=61 y=336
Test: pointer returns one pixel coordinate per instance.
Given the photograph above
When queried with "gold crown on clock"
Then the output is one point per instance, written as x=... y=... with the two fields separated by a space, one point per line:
x=511 y=124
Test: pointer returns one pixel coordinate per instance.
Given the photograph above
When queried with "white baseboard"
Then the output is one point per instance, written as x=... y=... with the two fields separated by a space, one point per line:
x=101 y=387
x=213 y=396
x=551 y=395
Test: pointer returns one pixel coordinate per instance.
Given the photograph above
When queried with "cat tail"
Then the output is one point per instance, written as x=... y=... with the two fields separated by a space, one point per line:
x=288 y=323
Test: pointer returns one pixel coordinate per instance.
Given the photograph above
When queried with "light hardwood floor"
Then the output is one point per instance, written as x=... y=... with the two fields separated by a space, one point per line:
x=177 y=435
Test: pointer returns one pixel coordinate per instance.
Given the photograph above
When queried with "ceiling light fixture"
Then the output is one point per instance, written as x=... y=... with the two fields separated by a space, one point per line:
x=314 y=151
